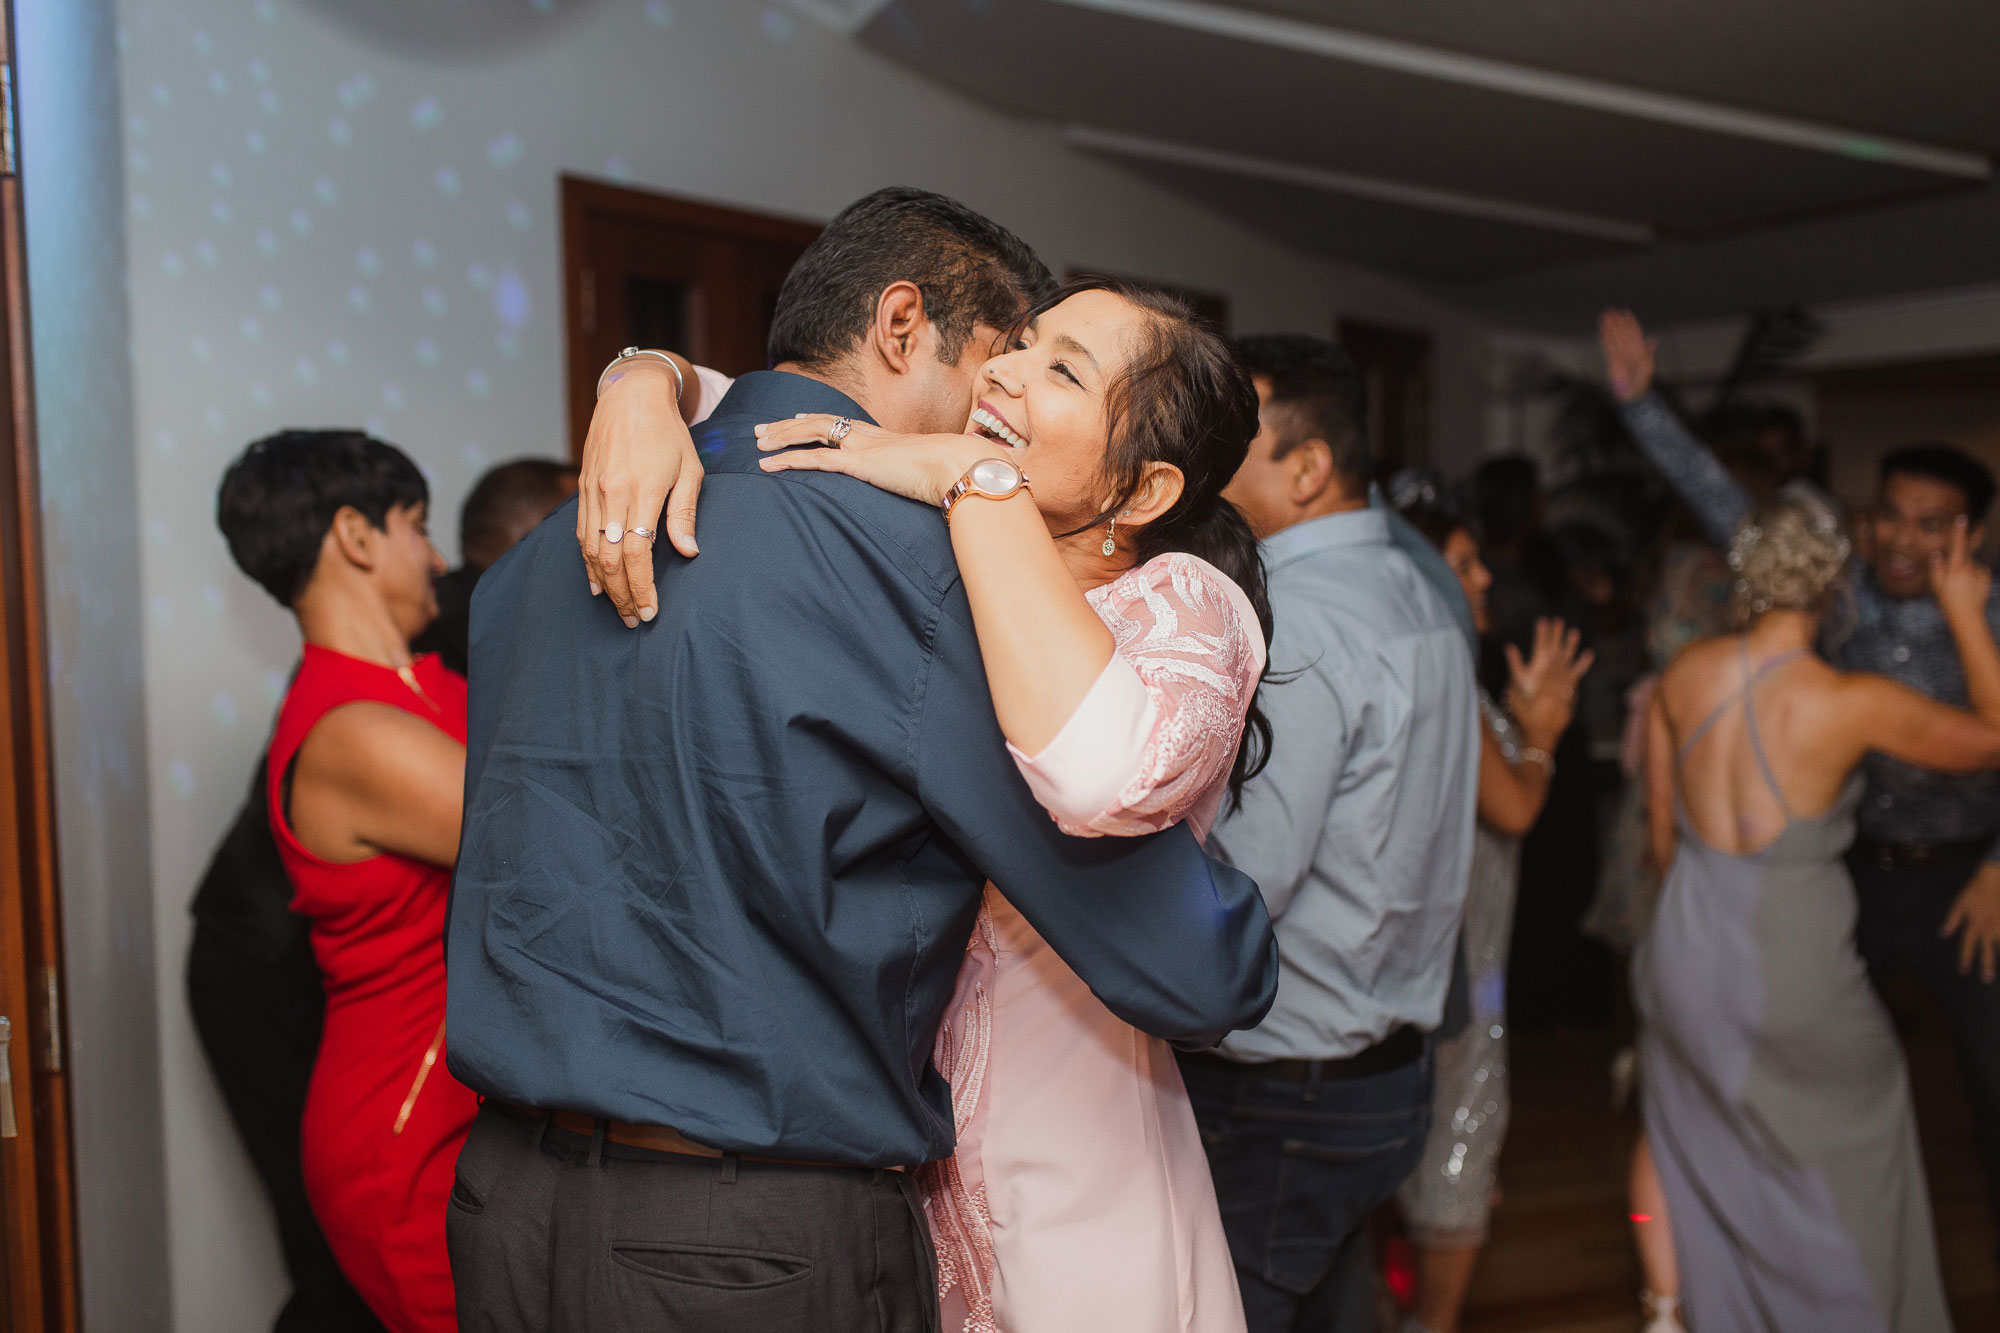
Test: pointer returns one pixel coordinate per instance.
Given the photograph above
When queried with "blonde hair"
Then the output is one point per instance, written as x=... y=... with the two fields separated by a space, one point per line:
x=1791 y=554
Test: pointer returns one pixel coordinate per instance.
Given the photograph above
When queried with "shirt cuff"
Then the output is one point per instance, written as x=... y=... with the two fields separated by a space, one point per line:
x=1082 y=772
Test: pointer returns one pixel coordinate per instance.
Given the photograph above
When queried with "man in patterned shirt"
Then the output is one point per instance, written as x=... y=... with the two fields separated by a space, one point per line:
x=1926 y=858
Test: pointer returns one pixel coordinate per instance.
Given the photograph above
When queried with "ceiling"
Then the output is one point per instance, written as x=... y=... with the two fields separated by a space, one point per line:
x=1535 y=159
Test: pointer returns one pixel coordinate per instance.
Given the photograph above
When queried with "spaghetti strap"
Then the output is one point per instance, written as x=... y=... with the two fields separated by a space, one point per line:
x=1750 y=722
x=1742 y=694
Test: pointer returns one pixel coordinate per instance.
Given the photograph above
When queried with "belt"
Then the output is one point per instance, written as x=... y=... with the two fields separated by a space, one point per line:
x=1400 y=1048
x=1904 y=855
x=653 y=1138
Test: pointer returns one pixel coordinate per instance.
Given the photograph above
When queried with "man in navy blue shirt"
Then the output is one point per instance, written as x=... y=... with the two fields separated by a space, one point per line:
x=718 y=873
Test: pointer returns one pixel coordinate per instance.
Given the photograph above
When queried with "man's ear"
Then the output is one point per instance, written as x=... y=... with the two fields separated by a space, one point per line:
x=900 y=326
x=354 y=537
x=1308 y=471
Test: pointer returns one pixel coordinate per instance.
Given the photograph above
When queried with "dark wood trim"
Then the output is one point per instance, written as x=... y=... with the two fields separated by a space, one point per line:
x=581 y=199
x=36 y=1169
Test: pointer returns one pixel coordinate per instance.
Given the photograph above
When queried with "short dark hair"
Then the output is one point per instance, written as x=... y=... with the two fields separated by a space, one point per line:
x=279 y=497
x=507 y=499
x=1507 y=497
x=1946 y=463
x=970 y=269
x=1319 y=389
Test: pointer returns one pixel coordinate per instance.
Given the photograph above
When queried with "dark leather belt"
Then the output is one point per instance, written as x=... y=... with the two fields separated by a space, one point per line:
x=653 y=1138
x=1909 y=855
x=1399 y=1048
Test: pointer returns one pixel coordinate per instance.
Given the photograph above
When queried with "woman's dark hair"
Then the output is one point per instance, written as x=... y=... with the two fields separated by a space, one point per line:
x=279 y=497
x=1185 y=399
x=1433 y=520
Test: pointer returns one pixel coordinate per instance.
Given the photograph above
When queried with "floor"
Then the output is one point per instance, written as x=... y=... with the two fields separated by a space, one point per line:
x=1561 y=1258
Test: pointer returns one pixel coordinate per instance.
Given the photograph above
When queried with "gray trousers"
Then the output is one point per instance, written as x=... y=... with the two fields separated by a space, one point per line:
x=550 y=1232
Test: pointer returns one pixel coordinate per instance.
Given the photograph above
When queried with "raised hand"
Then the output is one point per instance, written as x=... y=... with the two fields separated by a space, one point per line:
x=917 y=467
x=1628 y=353
x=1960 y=582
x=1541 y=695
x=637 y=459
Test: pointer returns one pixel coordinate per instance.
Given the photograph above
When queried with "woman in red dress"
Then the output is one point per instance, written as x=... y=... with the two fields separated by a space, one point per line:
x=367 y=775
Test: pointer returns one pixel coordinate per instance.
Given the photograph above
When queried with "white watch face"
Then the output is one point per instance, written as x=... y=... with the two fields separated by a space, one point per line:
x=995 y=477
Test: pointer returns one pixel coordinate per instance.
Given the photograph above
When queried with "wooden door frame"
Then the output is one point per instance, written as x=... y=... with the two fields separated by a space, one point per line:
x=581 y=197
x=36 y=1169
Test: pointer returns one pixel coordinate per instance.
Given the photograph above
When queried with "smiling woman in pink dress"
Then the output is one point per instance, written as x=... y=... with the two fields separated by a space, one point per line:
x=1119 y=606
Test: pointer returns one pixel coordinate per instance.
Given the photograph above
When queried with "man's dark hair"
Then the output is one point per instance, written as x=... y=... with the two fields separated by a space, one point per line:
x=1949 y=464
x=1317 y=390
x=970 y=269
x=1507 y=498
x=508 y=500
x=279 y=497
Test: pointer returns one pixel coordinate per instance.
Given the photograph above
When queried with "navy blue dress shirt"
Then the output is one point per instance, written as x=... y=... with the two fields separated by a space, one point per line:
x=718 y=873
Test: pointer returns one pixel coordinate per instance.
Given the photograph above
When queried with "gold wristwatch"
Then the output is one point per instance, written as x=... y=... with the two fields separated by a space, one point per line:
x=989 y=478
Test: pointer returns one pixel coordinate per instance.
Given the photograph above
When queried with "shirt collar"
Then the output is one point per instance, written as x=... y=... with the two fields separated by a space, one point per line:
x=1355 y=527
x=780 y=393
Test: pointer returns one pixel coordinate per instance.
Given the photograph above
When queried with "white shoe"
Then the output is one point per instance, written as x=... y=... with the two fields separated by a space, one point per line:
x=1663 y=1313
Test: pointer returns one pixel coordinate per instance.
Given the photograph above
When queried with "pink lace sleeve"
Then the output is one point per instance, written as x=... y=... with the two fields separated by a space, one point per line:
x=1153 y=741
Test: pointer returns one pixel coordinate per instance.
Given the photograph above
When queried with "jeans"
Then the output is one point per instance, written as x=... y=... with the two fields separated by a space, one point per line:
x=1299 y=1168
x=1902 y=911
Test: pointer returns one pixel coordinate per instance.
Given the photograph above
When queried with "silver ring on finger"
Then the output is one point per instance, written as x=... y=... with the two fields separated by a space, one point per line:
x=613 y=532
x=647 y=533
x=838 y=431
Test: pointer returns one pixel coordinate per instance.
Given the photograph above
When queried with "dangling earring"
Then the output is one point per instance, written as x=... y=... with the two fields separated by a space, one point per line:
x=1111 y=534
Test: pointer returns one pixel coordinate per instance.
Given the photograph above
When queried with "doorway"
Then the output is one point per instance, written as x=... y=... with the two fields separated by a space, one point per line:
x=649 y=270
x=37 y=1221
x=1395 y=366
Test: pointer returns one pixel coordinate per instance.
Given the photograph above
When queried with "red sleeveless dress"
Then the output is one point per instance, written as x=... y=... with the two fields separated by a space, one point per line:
x=384 y=1120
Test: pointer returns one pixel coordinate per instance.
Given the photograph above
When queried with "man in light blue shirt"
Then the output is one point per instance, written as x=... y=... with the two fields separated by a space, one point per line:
x=1359 y=833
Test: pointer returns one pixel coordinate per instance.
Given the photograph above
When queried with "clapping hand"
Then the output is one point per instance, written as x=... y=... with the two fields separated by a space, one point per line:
x=1541 y=695
x=1628 y=354
x=917 y=467
x=1960 y=582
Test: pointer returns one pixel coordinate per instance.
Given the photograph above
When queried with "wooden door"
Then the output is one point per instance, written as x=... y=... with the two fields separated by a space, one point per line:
x=1395 y=367
x=37 y=1229
x=649 y=270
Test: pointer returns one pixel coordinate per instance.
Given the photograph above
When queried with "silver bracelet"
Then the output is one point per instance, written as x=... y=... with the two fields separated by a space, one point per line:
x=1534 y=754
x=680 y=381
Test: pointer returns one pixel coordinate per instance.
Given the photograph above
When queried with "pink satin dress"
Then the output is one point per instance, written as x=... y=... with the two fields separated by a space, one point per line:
x=1080 y=1198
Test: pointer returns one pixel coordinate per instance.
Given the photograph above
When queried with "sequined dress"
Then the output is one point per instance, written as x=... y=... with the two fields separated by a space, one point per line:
x=1080 y=1196
x=1447 y=1198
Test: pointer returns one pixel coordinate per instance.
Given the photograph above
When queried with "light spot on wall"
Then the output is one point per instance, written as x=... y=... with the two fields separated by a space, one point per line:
x=425 y=115
x=251 y=330
x=212 y=600
x=504 y=151
x=171 y=262
x=357 y=91
x=507 y=342
x=305 y=372
x=340 y=131
x=324 y=192
x=205 y=252
x=142 y=207
x=511 y=300
x=368 y=261
x=477 y=384
x=266 y=11
x=269 y=298
x=162 y=95
x=157 y=532
x=256 y=142
x=659 y=13
x=447 y=182
x=480 y=277
x=358 y=300
x=618 y=170
x=224 y=709
x=434 y=301
x=219 y=210
x=425 y=254
x=216 y=421
x=218 y=83
x=778 y=27
x=518 y=216
x=203 y=42
x=260 y=394
x=268 y=99
x=473 y=455
x=180 y=775
x=161 y=610
x=392 y=396
x=163 y=442
x=199 y=346
x=219 y=173
x=427 y=352
x=267 y=241
x=302 y=223
x=336 y=352
x=259 y=72
x=275 y=684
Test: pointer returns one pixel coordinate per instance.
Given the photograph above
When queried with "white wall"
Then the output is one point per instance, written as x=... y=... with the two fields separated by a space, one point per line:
x=325 y=228
x=73 y=191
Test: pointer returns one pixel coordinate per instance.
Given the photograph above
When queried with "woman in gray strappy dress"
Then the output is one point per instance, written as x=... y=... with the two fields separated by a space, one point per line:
x=1775 y=1096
